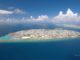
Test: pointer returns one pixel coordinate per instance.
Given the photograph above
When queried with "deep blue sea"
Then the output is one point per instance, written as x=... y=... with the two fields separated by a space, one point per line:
x=67 y=49
x=51 y=50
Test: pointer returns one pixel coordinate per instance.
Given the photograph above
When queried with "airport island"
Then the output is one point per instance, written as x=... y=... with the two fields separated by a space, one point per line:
x=44 y=34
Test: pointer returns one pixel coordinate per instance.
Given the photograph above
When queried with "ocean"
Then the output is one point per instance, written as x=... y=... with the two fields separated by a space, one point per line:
x=65 y=49
x=51 y=50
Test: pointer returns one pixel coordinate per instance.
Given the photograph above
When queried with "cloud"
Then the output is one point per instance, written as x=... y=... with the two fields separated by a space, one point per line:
x=2 y=12
x=39 y=18
x=11 y=21
x=24 y=20
x=18 y=11
x=6 y=12
x=69 y=17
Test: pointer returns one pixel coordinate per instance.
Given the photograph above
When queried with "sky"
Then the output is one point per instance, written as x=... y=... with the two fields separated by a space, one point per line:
x=40 y=10
x=37 y=7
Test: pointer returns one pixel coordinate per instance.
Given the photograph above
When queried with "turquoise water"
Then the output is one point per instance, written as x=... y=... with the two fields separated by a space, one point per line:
x=6 y=37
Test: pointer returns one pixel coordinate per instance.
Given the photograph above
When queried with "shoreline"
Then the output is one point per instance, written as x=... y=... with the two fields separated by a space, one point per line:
x=39 y=35
x=36 y=40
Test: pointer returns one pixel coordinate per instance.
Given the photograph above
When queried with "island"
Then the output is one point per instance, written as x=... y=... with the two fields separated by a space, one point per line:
x=72 y=26
x=44 y=34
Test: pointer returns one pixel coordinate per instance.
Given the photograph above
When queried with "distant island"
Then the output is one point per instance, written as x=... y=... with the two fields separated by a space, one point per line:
x=72 y=26
x=44 y=34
